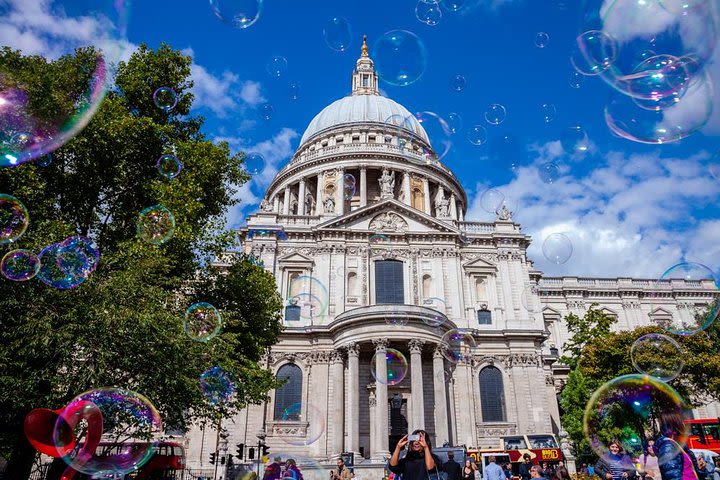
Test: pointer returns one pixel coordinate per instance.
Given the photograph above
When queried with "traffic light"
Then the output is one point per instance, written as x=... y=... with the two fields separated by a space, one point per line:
x=265 y=450
x=240 y=451
x=212 y=458
x=251 y=453
x=222 y=460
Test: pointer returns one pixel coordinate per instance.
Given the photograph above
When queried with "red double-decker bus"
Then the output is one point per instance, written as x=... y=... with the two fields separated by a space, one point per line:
x=704 y=434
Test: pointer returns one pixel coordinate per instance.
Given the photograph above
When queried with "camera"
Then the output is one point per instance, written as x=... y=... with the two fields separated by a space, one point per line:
x=413 y=438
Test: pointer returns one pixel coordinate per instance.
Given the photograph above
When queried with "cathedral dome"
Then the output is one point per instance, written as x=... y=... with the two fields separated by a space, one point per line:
x=362 y=109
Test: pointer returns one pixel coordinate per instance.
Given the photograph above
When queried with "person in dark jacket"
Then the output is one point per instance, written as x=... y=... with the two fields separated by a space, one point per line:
x=419 y=462
x=525 y=467
x=508 y=470
x=452 y=468
x=615 y=465
x=676 y=462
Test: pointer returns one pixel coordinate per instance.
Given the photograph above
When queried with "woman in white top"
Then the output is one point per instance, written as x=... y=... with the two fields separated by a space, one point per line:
x=648 y=463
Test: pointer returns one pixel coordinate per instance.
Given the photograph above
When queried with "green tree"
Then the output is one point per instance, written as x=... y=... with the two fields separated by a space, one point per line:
x=602 y=356
x=123 y=326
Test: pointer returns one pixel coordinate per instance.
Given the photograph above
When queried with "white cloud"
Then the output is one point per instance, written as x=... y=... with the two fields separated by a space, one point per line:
x=250 y=93
x=275 y=151
x=633 y=215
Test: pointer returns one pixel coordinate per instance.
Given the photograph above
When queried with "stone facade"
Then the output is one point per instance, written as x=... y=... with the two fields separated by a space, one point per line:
x=403 y=205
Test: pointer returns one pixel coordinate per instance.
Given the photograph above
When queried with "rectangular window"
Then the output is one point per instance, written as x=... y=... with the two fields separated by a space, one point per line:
x=292 y=313
x=389 y=284
x=484 y=317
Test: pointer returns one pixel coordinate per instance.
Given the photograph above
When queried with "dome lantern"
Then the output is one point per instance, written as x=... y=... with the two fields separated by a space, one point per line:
x=364 y=78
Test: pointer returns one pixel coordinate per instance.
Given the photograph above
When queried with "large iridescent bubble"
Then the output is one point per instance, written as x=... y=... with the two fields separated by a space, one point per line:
x=314 y=421
x=19 y=265
x=628 y=409
x=78 y=256
x=156 y=224
x=396 y=367
x=216 y=385
x=400 y=57
x=14 y=219
x=311 y=295
x=50 y=272
x=123 y=414
x=237 y=13
x=657 y=355
x=36 y=118
x=202 y=322
x=437 y=130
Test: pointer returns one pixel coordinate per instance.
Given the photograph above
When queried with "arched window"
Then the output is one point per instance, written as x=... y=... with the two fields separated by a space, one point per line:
x=389 y=283
x=288 y=398
x=492 y=396
x=352 y=284
x=418 y=200
x=293 y=286
x=427 y=286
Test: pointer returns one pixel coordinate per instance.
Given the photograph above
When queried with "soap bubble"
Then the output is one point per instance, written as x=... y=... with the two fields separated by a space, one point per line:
x=557 y=248
x=596 y=52
x=37 y=118
x=495 y=114
x=293 y=90
x=428 y=12
x=19 y=265
x=266 y=111
x=576 y=80
x=626 y=409
x=437 y=318
x=574 y=140
x=169 y=165
x=453 y=5
x=311 y=294
x=541 y=39
x=396 y=318
x=549 y=172
x=337 y=34
x=457 y=344
x=254 y=163
x=216 y=385
x=400 y=57
x=529 y=297
x=491 y=199
x=548 y=111
x=165 y=98
x=237 y=13
x=277 y=66
x=314 y=426
x=14 y=219
x=397 y=366
x=156 y=224
x=687 y=318
x=458 y=82
x=437 y=130
x=454 y=122
x=348 y=186
x=108 y=413
x=50 y=272
x=202 y=322
x=477 y=135
x=657 y=355
x=44 y=161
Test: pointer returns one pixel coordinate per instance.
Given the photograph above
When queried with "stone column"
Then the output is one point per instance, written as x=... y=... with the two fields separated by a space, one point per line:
x=406 y=188
x=337 y=404
x=461 y=216
x=363 y=185
x=318 y=197
x=276 y=204
x=381 y=395
x=286 y=201
x=372 y=407
x=353 y=412
x=341 y=191
x=453 y=207
x=301 y=197
x=416 y=386
x=426 y=194
x=442 y=433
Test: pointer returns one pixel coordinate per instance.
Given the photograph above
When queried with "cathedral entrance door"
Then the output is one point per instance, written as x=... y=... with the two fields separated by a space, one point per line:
x=397 y=412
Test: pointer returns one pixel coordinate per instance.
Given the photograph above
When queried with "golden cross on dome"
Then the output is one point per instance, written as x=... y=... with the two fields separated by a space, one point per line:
x=364 y=46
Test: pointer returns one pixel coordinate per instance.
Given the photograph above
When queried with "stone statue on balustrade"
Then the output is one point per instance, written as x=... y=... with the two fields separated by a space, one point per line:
x=266 y=206
x=387 y=184
x=442 y=206
x=309 y=204
x=329 y=204
x=293 y=203
x=504 y=213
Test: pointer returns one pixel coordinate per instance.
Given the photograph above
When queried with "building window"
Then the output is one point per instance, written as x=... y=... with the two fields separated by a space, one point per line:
x=365 y=80
x=293 y=286
x=288 y=398
x=484 y=316
x=352 y=284
x=418 y=200
x=492 y=395
x=480 y=290
x=389 y=284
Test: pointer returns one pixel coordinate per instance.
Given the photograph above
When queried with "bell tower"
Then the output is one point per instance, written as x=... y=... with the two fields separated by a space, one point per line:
x=364 y=78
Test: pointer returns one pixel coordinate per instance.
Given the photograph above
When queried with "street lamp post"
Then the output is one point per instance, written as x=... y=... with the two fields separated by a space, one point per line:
x=223 y=448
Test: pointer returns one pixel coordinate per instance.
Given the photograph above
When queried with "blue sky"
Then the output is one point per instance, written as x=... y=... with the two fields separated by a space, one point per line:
x=630 y=209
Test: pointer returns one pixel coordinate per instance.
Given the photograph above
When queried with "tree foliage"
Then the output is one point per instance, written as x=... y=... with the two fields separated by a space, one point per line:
x=123 y=326
x=598 y=355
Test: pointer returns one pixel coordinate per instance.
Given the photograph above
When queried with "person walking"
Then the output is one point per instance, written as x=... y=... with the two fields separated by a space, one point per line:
x=341 y=472
x=535 y=471
x=508 y=471
x=292 y=471
x=419 y=461
x=615 y=465
x=493 y=471
x=561 y=473
x=468 y=471
x=452 y=468
x=649 y=468
x=703 y=472
x=676 y=462
x=273 y=471
x=525 y=467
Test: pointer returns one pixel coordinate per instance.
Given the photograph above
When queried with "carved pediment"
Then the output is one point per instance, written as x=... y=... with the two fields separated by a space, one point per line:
x=295 y=260
x=388 y=222
x=480 y=265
